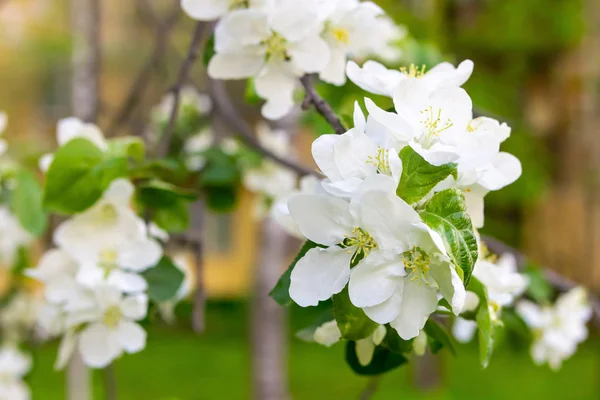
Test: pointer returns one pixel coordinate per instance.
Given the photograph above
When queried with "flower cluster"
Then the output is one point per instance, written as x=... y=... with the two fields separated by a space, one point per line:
x=379 y=218
x=278 y=41
x=557 y=329
x=504 y=285
x=14 y=365
x=93 y=288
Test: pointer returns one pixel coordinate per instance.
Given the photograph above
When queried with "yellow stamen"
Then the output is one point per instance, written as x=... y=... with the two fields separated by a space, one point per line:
x=433 y=124
x=360 y=242
x=381 y=161
x=417 y=264
x=112 y=316
x=413 y=71
x=276 y=47
x=341 y=35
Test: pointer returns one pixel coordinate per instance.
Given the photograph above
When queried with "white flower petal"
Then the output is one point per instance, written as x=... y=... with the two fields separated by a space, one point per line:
x=327 y=334
x=375 y=279
x=419 y=301
x=310 y=55
x=238 y=65
x=131 y=336
x=504 y=170
x=334 y=72
x=388 y=310
x=364 y=351
x=275 y=84
x=321 y=218
x=126 y=281
x=449 y=283
x=140 y=255
x=464 y=330
x=240 y=31
x=99 y=346
x=135 y=307
x=205 y=10
x=320 y=274
x=66 y=349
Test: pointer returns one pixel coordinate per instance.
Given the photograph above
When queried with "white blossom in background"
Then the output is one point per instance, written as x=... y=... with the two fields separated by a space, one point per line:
x=189 y=97
x=194 y=149
x=71 y=128
x=280 y=211
x=110 y=327
x=14 y=365
x=348 y=29
x=208 y=10
x=502 y=280
x=386 y=47
x=329 y=334
x=275 y=46
x=557 y=329
x=270 y=179
x=18 y=317
x=12 y=237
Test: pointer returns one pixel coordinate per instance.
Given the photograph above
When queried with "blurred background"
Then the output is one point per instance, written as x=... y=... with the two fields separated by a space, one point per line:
x=537 y=67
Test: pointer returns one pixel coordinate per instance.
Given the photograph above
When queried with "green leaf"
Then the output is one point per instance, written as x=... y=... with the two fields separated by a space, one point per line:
x=419 y=177
x=26 y=203
x=78 y=176
x=383 y=360
x=485 y=322
x=439 y=334
x=174 y=218
x=159 y=194
x=307 y=334
x=446 y=214
x=393 y=342
x=538 y=289
x=127 y=147
x=351 y=320
x=221 y=198
x=220 y=175
x=209 y=50
x=250 y=94
x=281 y=292
x=164 y=280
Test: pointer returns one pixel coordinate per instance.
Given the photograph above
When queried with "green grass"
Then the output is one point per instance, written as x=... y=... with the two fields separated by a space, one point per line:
x=180 y=366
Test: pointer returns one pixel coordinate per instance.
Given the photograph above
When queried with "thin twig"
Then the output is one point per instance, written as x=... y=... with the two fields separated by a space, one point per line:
x=145 y=74
x=238 y=125
x=184 y=71
x=371 y=388
x=110 y=383
x=321 y=105
x=558 y=281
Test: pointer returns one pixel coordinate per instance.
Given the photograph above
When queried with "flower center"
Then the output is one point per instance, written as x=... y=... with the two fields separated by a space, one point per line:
x=416 y=262
x=108 y=260
x=360 y=240
x=237 y=4
x=341 y=35
x=381 y=161
x=112 y=316
x=433 y=124
x=276 y=47
x=474 y=124
x=106 y=214
x=413 y=71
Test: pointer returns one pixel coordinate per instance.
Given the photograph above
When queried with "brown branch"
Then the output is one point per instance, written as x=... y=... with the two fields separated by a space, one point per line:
x=225 y=108
x=184 y=72
x=558 y=281
x=145 y=74
x=371 y=388
x=320 y=105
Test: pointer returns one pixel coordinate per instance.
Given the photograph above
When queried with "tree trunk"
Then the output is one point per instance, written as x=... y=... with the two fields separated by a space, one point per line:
x=269 y=319
x=85 y=21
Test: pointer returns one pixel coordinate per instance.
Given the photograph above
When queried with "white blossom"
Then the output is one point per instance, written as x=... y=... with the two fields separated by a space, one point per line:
x=348 y=30
x=14 y=365
x=207 y=10
x=109 y=328
x=189 y=98
x=275 y=46
x=557 y=329
x=377 y=79
x=280 y=211
x=504 y=284
x=194 y=149
x=347 y=160
x=12 y=237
